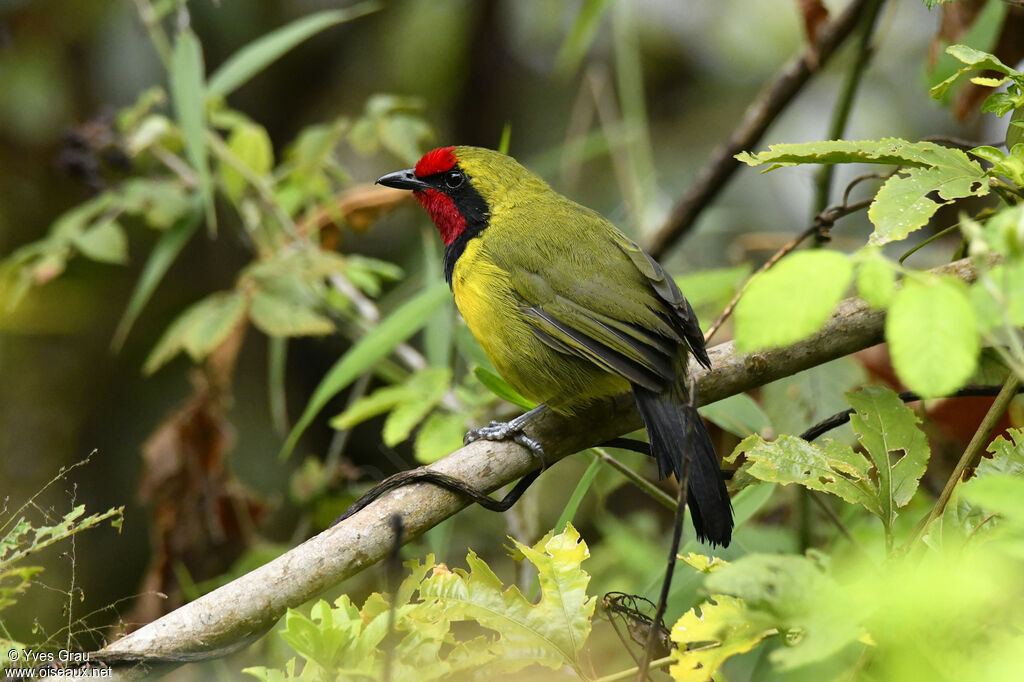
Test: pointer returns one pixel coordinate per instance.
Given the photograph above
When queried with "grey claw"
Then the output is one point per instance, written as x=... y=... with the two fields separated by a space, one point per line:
x=507 y=431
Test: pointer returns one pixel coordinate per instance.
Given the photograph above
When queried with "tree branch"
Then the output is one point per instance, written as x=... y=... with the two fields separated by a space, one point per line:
x=759 y=115
x=237 y=613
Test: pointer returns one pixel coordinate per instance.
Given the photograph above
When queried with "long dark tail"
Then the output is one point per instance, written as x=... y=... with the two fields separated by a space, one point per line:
x=667 y=415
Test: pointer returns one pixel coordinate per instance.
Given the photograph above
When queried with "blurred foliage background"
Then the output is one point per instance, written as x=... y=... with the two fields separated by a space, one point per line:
x=618 y=111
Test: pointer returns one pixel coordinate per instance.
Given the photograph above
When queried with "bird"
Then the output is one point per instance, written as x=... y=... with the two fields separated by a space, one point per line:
x=569 y=310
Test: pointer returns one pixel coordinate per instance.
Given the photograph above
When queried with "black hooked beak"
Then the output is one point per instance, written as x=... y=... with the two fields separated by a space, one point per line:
x=403 y=179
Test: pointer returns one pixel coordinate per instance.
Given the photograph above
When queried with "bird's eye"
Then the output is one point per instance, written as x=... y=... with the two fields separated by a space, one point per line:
x=453 y=179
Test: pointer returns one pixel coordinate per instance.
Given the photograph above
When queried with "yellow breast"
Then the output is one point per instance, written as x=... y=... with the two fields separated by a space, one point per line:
x=491 y=308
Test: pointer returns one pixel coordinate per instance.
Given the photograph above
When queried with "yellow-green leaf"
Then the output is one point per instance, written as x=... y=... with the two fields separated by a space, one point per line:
x=933 y=336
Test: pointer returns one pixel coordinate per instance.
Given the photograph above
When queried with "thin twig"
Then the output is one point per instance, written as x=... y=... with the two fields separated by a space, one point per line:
x=759 y=115
x=978 y=441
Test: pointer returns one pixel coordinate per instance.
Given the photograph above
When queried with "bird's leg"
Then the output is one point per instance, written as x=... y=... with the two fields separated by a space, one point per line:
x=510 y=430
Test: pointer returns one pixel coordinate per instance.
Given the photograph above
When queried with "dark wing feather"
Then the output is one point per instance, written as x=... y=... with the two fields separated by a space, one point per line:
x=682 y=318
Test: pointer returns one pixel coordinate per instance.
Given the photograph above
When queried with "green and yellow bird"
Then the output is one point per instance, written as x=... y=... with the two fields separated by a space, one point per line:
x=568 y=308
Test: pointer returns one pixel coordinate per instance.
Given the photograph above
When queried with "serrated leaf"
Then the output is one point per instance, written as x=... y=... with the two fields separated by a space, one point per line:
x=551 y=632
x=792 y=300
x=501 y=388
x=268 y=48
x=889 y=151
x=402 y=323
x=440 y=434
x=1007 y=455
x=888 y=431
x=251 y=147
x=104 y=241
x=834 y=468
x=703 y=563
x=887 y=428
x=199 y=329
x=722 y=627
x=904 y=203
x=933 y=336
x=876 y=281
x=281 y=316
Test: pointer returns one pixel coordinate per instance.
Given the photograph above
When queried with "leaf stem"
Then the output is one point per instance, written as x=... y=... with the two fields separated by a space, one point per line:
x=978 y=441
x=626 y=674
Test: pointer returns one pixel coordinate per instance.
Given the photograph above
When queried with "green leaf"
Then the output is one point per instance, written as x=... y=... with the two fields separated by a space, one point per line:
x=876 y=280
x=104 y=241
x=250 y=145
x=550 y=633
x=501 y=388
x=795 y=596
x=738 y=414
x=161 y=203
x=277 y=315
x=933 y=336
x=722 y=627
x=582 y=486
x=796 y=402
x=423 y=391
x=902 y=205
x=749 y=501
x=889 y=151
x=1000 y=493
x=402 y=323
x=440 y=434
x=792 y=300
x=199 y=329
x=905 y=203
x=1015 y=131
x=1007 y=456
x=160 y=259
x=369 y=406
x=889 y=431
x=834 y=468
x=978 y=59
x=265 y=50
x=187 y=92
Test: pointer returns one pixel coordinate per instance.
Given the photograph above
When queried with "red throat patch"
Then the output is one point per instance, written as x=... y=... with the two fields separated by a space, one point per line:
x=443 y=212
x=437 y=161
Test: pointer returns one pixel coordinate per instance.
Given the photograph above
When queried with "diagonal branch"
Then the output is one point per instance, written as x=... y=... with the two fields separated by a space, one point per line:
x=759 y=115
x=239 y=612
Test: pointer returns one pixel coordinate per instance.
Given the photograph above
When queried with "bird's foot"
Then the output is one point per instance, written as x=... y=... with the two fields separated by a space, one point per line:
x=510 y=430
